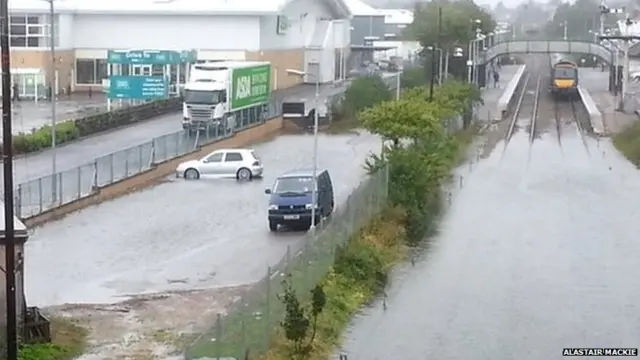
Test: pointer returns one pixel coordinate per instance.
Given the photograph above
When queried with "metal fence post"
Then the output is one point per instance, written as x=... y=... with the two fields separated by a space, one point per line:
x=218 y=335
x=94 y=186
x=267 y=313
x=18 y=201
x=40 y=194
x=139 y=158
x=110 y=168
x=152 y=156
x=79 y=182
x=126 y=164
x=60 y=189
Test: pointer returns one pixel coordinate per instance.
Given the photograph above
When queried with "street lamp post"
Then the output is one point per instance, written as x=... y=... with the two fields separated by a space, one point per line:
x=52 y=84
x=471 y=51
x=314 y=190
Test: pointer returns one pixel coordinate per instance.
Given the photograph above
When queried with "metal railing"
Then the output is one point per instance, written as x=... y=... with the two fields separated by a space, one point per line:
x=49 y=192
x=250 y=323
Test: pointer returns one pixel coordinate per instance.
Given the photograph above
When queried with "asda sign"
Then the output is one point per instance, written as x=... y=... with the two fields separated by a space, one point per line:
x=251 y=86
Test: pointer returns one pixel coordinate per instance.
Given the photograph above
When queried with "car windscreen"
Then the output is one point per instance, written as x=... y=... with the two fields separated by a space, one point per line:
x=202 y=97
x=564 y=73
x=294 y=185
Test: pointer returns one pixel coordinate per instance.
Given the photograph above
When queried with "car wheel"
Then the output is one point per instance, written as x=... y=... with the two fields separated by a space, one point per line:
x=243 y=174
x=191 y=174
x=273 y=226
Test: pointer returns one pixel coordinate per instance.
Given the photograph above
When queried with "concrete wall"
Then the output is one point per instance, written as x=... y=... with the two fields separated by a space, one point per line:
x=166 y=32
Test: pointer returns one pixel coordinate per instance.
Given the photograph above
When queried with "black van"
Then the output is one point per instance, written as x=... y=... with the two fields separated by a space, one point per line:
x=290 y=199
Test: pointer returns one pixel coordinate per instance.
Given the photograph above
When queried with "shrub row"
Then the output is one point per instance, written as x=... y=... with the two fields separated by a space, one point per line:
x=40 y=139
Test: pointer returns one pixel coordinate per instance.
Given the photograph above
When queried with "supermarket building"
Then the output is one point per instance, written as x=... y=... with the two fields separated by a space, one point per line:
x=308 y=35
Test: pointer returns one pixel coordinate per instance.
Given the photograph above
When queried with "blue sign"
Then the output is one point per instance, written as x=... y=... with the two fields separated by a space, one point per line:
x=151 y=57
x=138 y=87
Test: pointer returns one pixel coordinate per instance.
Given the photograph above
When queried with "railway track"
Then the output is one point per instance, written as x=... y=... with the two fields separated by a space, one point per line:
x=536 y=111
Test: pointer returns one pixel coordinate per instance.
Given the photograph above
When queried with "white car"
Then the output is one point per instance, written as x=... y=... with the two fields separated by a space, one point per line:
x=243 y=164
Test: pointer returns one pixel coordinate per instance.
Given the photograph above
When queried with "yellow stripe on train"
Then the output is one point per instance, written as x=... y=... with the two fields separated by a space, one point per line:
x=564 y=83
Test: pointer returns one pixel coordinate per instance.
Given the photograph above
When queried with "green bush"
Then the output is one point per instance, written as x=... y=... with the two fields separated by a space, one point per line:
x=363 y=93
x=40 y=139
x=42 y=352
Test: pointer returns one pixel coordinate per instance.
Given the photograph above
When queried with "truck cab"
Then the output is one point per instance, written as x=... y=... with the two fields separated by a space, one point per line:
x=204 y=103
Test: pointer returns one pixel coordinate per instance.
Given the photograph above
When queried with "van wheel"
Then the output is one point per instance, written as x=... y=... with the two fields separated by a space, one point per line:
x=273 y=226
x=243 y=174
x=191 y=174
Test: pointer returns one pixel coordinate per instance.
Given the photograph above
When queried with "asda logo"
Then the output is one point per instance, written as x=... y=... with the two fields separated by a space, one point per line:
x=243 y=87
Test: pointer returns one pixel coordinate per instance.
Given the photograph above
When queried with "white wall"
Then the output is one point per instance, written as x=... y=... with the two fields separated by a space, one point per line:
x=65 y=31
x=166 y=32
x=302 y=16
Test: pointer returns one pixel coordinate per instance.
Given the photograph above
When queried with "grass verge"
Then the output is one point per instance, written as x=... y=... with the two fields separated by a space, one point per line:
x=69 y=341
x=628 y=143
x=357 y=275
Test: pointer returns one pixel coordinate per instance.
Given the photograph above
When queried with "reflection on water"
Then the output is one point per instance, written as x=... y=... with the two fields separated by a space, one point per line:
x=539 y=251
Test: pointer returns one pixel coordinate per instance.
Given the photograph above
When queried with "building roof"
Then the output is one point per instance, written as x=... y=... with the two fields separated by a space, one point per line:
x=159 y=7
x=359 y=8
x=397 y=16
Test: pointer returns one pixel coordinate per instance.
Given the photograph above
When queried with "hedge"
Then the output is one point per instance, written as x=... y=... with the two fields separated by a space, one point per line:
x=40 y=139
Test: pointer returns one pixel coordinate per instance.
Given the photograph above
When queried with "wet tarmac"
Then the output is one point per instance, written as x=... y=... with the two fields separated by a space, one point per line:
x=86 y=151
x=181 y=234
x=538 y=251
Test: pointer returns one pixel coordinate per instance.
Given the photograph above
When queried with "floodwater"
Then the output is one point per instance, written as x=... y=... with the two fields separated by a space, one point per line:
x=539 y=251
x=182 y=235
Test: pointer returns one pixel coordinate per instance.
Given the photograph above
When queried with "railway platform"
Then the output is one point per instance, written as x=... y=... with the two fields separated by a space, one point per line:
x=596 y=82
x=486 y=112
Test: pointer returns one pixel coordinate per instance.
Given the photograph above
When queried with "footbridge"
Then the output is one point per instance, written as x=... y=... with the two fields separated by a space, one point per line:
x=547 y=47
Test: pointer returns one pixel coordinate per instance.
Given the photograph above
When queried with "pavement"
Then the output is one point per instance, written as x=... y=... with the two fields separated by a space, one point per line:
x=596 y=82
x=490 y=94
x=86 y=151
x=181 y=234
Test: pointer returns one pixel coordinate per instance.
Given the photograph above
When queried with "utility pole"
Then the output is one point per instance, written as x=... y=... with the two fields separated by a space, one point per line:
x=565 y=30
x=433 y=55
x=7 y=163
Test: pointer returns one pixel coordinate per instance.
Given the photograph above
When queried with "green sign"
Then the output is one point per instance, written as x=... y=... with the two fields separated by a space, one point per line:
x=151 y=57
x=250 y=86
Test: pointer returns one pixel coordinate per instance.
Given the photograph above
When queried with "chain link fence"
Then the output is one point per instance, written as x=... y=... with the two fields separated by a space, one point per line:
x=249 y=324
x=48 y=192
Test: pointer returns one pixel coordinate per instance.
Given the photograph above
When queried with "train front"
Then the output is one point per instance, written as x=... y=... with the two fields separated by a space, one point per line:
x=564 y=79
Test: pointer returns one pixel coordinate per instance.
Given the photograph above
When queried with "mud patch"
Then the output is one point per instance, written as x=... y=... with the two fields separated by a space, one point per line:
x=147 y=327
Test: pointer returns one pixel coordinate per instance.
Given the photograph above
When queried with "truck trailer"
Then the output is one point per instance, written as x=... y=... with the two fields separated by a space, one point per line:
x=217 y=92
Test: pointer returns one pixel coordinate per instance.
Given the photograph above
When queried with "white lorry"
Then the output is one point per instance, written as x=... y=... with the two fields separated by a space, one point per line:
x=217 y=90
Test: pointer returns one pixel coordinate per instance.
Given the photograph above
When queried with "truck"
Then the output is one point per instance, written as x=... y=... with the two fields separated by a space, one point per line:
x=217 y=92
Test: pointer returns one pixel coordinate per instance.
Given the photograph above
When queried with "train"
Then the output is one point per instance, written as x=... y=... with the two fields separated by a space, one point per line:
x=563 y=81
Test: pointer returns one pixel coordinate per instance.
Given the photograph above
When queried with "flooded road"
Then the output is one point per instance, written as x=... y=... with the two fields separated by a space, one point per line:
x=539 y=251
x=181 y=234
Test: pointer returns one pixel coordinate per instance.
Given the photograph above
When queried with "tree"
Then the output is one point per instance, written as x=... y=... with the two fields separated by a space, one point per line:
x=297 y=321
x=406 y=118
x=458 y=26
x=581 y=17
x=363 y=93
